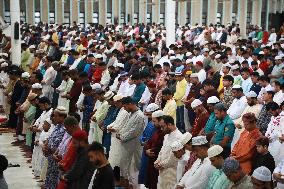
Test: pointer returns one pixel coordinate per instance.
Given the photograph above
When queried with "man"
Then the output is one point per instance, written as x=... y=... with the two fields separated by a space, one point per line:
x=246 y=80
x=227 y=97
x=255 y=85
x=201 y=117
x=245 y=149
x=139 y=89
x=76 y=89
x=79 y=176
x=200 y=71
x=180 y=91
x=48 y=77
x=279 y=95
x=234 y=172
x=103 y=177
x=152 y=148
x=261 y=178
x=201 y=170
x=170 y=106
x=264 y=82
x=129 y=138
x=211 y=122
x=218 y=179
x=239 y=103
x=276 y=71
x=224 y=129
x=166 y=162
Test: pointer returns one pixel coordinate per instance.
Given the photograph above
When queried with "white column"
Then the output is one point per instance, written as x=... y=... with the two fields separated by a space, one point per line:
x=142 y=11
x=102 y=12
x=116 y=11
x=273 y=6
x=30 y=11
x=281 y=6
x=170 y=22
x=267 y=15
x=44 y=11
x=182 y=7
x=242 y=16
x=212 y=12
x=2 y=11
x=15 y=44
x=74 y=11
x=59 y=11
x=196 y=12
x=256 y=12
x=227 y=11
x=89 y=9
x=129 y=4
x=156 y=11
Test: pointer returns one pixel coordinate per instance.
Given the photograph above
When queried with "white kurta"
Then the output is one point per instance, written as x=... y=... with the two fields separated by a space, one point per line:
x=168 y=175
x=48 y=78
x=237 y=107
x=4 y=80
x=105 y=79
x=63 y=89
x=115 y=152
x=198 y=176
x=181 y=165
x=93 y=124
x=79 y=105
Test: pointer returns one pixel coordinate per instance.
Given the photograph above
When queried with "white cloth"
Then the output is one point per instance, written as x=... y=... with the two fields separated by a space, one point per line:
x=279 y=97
x=115 y=152
x=167 y=176
x=280 y=170
x=145 y=98
x=272 y=38
x=163 y=60
x=48 y=77
x=181 y=165
x=4 y=80
x=262 y=91
x=198 y=176
x=201 y=75
x=105 y=79
x=93 y=124
x=237 y=107
x=79 y=105
x=75 y=64
x=124 y=88
x=63 y=89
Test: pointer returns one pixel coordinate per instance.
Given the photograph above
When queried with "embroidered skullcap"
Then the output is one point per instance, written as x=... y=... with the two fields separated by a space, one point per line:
x=158 y=113
x=230 y=165
x=117 y=97
x=36 y=86
x=251 y=94
x=61 y=110
x=262 y=174
x=152 y=107
x=214 y=151
x=196 y=103
x=108 y=95
x=185 y=138
x=199 y=140
x=212 y=100
x=176 y=146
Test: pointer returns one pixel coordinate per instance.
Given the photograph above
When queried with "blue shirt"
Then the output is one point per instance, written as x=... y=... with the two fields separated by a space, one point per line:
x=210 y=124
x=138 y=91
x=148 y=132
x=70 y=60
x=225 y=127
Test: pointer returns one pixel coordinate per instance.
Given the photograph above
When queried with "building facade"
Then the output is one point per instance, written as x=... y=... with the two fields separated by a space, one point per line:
x=243 y=12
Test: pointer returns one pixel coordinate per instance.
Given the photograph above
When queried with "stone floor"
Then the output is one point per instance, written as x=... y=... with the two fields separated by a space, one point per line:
x=16 y=177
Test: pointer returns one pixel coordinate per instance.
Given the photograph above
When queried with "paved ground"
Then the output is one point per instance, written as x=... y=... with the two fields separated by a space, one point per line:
x=16 y=177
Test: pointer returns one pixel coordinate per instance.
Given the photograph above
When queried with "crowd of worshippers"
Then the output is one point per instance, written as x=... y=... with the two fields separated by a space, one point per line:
x=113 y=107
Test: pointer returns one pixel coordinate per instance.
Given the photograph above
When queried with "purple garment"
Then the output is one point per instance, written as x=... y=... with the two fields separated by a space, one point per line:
x=63 y=145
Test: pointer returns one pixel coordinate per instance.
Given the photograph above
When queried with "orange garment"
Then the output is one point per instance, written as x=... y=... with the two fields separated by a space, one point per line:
x=245 y=149
x=34 y=65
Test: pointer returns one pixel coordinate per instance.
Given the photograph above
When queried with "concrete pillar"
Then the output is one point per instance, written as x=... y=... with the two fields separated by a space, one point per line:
x=59 y=11
x=142 y=11
x=44 y=11
x=267 y=15
x=129 y=4
x=30 y=10
x=15 y=44
x=156 y=11
x=74 y=12
x=256 y=12
x=242 y=16
x=273 y=6
x=89 y=9
x=102 y=12
x=212 y=11
x=2 y=9
x=196 y=12
x=227 y=12
x=116 y=11
x=182 y=8
x=281 y=6
x=170 y=22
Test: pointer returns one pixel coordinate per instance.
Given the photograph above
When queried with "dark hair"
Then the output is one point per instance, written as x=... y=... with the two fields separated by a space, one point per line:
x=207 y=82
x=250 y=117
x=3 y=163
x=272 y=106
x=83 y=74
x=157 y=66
x=228 y=78
x=263 y=141
x=87 y=88
x=256 y=74
x=264 y=78
x=44 y=100
x=168 y=119
x=272 y=93
x=245 y=70
x=220 y=107
x=70 y=121
x=167 y=91
x=38 y=75
x=96 y=147
x=277 y=83
x=254 y=63
x=127 y=100
x=49 y=58
x=135 y=76
x=76 y=115
x=166 y=64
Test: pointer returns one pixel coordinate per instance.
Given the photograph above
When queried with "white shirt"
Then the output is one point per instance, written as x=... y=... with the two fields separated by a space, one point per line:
x=279 y=97
x=272 y=38
x=49 y=75
x=164 y=59
x=237 y=107
x=262 y=91
x=198 y=176
x=201 y=75
x=105 y=79
x=75 y=64
x=181 y=165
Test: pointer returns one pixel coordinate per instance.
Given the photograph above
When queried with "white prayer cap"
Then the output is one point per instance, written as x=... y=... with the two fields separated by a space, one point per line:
x=235 y=67
x=158 y=113
x=217 y=56
x=117 y=97
x=108 y=95
x=251 y=94
x=96 y=86
x=281 y=39
x=36 y=86
x=214 y=151
x=262 y=174
x=223 y=44
x=120 y=65
x=213 y=100
x=205 y=50
x=32 y=47
x=25 y=75
x=278 y=57
x=171 y=52
x=178 y=73
x=61 y=110
x=173 y=57
x=199 y=140
x=188 y=54
x=4 y=64
x=2 y=60
x=227 y=65
x=236 y=87
x=176 y=146
x=196 y=103
x=98 y=56
x=185 y=138
x=4 y=54
x=261 y=52
x=211 y=53
x=194 y=75
x=188 y=61
x=152 y=107
x=267 y=89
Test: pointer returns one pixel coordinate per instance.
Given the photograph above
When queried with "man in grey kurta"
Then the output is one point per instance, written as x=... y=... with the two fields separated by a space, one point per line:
x=129 y=137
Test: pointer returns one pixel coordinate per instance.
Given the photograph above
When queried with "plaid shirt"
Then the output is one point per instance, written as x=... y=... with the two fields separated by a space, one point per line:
x=263 y=119
x=228 y=97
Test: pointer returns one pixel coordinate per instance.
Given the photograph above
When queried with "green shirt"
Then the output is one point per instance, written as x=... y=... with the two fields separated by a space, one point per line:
x=225 y=127
x=210 y=124
x=218 y=180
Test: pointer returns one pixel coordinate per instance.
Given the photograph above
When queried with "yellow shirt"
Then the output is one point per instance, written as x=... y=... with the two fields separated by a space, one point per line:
x=180 y=91
x=221 y=87
x=170 y=108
